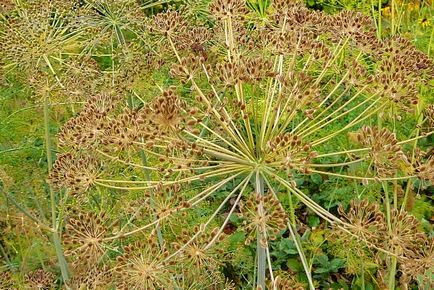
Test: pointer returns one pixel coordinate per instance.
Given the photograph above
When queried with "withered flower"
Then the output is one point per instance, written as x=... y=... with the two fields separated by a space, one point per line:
x=195 y=249
x=6 y=280
x=77 y=172
x=142 y=266
x=419 y=264
x=425 y=171
x=84 y=236
x=92 y=277
x=263 y=214
x=366 y=219
x=167 y=111
x=223 y=9
x=40 y=280
x=405 y=235
x=386 y=155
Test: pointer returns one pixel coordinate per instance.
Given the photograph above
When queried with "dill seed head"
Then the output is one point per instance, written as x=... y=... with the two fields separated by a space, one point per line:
x=367 y=220
x=265 y=214
x=6 y=281
x=167 y=23
x=83 y=238
x=425 y=171
x=386 y=155
x=40 y=279
x=405 y=236
x=76 y=172
x=223 y=9
x=93 y=277
x=418 y=264
x=142 y=266
x=167 y=111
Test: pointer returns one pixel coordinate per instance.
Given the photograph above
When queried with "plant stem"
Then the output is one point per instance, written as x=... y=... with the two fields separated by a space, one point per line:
x=260 y=249
x=379 y=19
x=56 y=238
x=148 y=177
x=392 y=273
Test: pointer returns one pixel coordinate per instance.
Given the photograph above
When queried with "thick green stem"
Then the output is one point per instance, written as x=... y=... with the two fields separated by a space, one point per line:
x=56 y=238
x=260 y=249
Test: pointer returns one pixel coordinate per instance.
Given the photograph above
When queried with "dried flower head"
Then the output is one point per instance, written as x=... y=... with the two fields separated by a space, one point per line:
x=263 y=214
x=223 y=9
x=386 y=155
x=75 y=172
x=166 y=111
x=243 y=105
x=84 y=238
x=429 y=113
x=6 y=280
x=195 y=249
x=40 y=279
x=425 y=171
x=419 y=265
x=38 y=30
x=366 y=219
x=142 y=266
x=93 y=277
x=405 y=235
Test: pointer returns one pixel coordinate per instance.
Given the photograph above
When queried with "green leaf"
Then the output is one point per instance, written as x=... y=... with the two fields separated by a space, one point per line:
x=336 y=264
x=288 y=247
x=313 y=221
x=316 y=178
x=294 y=265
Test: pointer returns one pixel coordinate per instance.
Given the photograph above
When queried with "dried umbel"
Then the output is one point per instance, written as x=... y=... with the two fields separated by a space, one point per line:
x=38 y=30
x=168 y=23
x=385 y=153
x=265 y=215
x=196 y=250
x=75 y=172
x=368 y=222
x=223 y=9
x=419 y=264
x=142 y=266
x=400 y=66
x=93 y=277
x=87 y=130
x=40 y=279
x=425 y=171
x=6 y=281
x=429 y=113
x=166 y=111
x=84 y=238
x=404 y=235
x=241 y=113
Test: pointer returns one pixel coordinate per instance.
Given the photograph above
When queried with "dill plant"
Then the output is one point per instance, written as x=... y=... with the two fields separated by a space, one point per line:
x=244 y=109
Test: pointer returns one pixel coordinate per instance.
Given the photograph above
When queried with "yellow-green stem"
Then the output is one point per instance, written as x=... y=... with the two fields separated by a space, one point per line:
x=56 y=238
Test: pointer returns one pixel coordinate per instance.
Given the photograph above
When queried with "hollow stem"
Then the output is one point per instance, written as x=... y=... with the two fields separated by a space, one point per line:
x=260 y=249
x=56 y=238
x=148 y=177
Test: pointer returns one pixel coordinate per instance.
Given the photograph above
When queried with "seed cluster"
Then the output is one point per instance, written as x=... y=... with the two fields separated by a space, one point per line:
x=40 y=279
x=141 y=266
x=367 y=219
x=83 y=238
x=75 y=172
x=385 y=153
x=263 y=214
